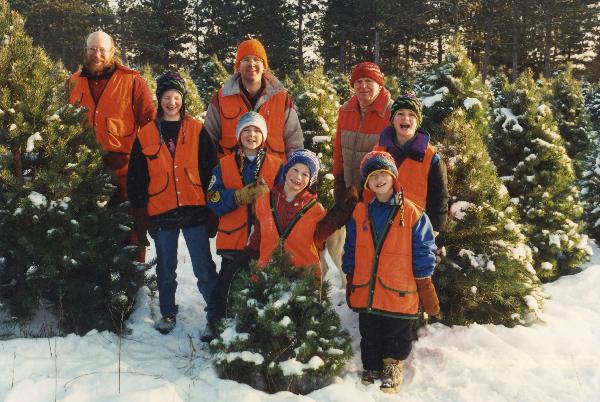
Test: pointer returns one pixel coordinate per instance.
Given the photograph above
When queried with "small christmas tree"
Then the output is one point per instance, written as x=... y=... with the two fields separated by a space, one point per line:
x=341 y=85
x=531 y=158
x=282 y=332
x=61 y=240
x=211 y=77
x=317 y=103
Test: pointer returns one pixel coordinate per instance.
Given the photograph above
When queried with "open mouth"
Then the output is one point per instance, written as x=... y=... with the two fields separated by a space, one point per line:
x=404 y=126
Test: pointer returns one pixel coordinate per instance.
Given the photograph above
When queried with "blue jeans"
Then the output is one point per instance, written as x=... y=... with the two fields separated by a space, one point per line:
x=196 y=239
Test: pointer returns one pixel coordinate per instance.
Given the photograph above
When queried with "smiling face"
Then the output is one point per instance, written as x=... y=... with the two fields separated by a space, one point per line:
x=251 y=139
x=251 y=69
x=170 y=103
x=296 y=180
x=382 y=185
x=98 y=53
x=405 y=124
x=366 y=91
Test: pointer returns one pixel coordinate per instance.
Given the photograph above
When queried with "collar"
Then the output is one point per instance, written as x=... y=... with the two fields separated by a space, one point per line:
x=415 y=148
x=380 y=105
x=271 y=85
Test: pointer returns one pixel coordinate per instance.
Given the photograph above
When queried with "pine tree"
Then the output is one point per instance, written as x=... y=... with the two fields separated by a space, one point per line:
x=282 y=332
x=590 y=187
x=61 y=239
x=317 y=104
x=211 y=77
x=486 y=274
x=532 y=160
x=341 y=84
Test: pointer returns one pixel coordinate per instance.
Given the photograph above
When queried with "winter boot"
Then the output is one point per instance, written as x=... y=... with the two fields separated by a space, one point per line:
x=166 y=324
x=369 y=376
x=209 y=332
x=391 y=376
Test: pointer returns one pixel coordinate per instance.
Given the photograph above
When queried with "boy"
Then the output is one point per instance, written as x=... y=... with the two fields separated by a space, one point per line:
x=389 y=257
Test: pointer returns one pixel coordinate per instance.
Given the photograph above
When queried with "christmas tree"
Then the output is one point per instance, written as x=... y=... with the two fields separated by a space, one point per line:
x=317 y=103
x=282 y=332
x=341 y=85
x=61 y=240
x=532 y=161
x=486 y=273
x=211 y=77
x=590 y=177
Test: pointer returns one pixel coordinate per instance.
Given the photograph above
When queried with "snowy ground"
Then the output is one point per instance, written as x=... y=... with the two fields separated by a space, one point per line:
x=552 y=361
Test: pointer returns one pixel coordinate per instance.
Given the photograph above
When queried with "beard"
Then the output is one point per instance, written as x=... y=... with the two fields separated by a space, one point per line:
x=97 y=65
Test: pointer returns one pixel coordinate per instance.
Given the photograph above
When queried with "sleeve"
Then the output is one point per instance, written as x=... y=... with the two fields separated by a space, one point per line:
x=212 y=122
x=292 y=132
x=437 y=194
x=220 y=200
x=335 y=218
x=349 y=246
x=143 y=104
x=423 y=248
x=338 y=160
x=137 y=177
x=207 y=159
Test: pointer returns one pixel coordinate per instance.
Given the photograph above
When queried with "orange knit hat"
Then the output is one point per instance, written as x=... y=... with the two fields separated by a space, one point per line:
x=251 y=47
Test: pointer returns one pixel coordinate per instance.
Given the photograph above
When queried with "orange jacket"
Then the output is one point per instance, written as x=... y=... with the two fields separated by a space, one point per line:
x=297 y=237
x=233 y=226
x=383 y=280
x=413 y=176
x=173 y=182
x=233 y=107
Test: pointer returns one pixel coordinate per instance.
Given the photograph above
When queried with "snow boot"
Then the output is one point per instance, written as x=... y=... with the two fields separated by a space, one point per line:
x=391 y=376
x=209 y=332
x=166 y=324
x=369 y=376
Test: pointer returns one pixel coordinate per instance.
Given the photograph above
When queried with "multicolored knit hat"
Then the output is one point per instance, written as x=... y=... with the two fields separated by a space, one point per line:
x=366 y=69
x=306 y=157
x=409 y=101
x=170 y=80
x=251 y=47
x=252 y=119
x=377 y=161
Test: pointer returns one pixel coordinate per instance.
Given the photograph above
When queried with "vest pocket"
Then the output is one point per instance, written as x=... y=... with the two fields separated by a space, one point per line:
x=229 y=230
x=399 y=292
x=230 y=113
x=193 y=176
x=116 y=127
x=158 y=184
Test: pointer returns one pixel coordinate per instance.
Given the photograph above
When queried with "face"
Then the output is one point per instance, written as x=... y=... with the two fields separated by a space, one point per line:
x=251 y=138
x=98 y=53
x=405 y=124
x=171 y=102
x=252 y=68
x=382 y=185
x=366 y=91
x=297 y=178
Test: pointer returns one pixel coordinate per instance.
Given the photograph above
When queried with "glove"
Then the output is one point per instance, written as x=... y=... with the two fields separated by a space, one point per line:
x=349 y=278
x=141 y=224
x=260 y=188
x=244 y=195
x=339 y=188
x=428 y=296
x=212 y=224
x=349 y=200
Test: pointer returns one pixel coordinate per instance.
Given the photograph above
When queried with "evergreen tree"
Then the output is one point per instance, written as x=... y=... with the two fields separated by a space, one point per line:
x=61 y=240
x=532 y=160
x=211 y=77
x=341 y=84
x=282 y=332
x=486 y=274
x=317 y=103
x=590 y=190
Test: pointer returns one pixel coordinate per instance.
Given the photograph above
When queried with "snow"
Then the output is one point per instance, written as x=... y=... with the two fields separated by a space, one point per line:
x=31 y=141
x=509 y=117
x=554 y=360
x=317 y=139
x=458 y=209
x=429 y=101
x=294 y=367
x=37 y=199
x=471 y=102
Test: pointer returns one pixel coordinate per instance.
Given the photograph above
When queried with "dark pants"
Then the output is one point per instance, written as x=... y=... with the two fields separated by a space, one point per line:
x=383 y=337
x=230 y=265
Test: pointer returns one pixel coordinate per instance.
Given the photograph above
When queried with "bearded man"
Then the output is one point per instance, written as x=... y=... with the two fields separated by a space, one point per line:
x=117 y=100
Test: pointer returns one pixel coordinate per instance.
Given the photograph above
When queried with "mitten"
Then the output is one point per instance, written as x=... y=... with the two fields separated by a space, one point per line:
x=141 y=224
x=244 y=195
x=428 y=296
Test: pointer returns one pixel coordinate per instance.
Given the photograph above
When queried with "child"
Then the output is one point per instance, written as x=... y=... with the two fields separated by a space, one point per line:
x=238 y=180
x=389 y=259
x=168 y=176
x=292 y=214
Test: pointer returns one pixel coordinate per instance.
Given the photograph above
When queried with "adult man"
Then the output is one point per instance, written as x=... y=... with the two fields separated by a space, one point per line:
x=360 y=120
x=254 y=87
x=118 y=103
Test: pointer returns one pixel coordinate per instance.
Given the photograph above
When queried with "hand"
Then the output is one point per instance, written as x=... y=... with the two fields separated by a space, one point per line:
x=260 y=188
x=349 y=201
x=244 y=195
x=141 y=224
x=428 y=296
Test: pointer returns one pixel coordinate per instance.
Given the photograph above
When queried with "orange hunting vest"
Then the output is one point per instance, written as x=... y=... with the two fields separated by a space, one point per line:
x=383 y=280
x=113 y=118
x=413 y=175
x=233 y=226
x=297 y=237
x=173 y=182
x=233 y=108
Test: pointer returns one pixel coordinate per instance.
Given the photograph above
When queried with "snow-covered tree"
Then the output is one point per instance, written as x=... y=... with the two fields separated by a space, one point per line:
x=531 y=159
x=341 y=84
x=281 y=332
x=61 y=239
x=317 y=103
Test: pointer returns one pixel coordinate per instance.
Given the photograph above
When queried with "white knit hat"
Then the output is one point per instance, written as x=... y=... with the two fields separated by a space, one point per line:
x=252 y=119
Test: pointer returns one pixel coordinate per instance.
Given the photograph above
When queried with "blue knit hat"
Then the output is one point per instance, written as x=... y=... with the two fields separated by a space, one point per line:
x=306 y=157
x=377 y=161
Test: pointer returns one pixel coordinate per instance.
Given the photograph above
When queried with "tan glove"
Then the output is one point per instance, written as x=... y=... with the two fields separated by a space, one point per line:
x=428 y=296
x=244 y=195
x=260 y=188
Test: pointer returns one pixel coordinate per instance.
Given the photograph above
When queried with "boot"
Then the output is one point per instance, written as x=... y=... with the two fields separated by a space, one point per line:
x=166 y=324
x=391 y=376
x=369 y=376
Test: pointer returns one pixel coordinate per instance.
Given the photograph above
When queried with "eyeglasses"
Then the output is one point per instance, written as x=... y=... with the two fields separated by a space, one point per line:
x=93 y=50
x=252 y=59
